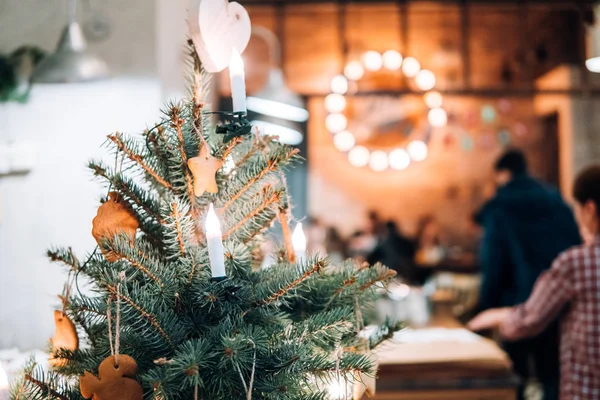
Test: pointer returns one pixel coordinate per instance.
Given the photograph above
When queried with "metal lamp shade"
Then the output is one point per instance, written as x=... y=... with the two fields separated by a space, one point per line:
x=71 y=62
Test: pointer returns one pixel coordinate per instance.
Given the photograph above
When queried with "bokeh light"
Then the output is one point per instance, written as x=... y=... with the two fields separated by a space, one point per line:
x=417 y=150
x=425 y=80
x=378 y=161
x=392 y=60
x=437 y=117
x=359 y=156
x=336 y=122
x=399 y=159
x=354 y=70
x=411 y=67
x=372 y=60
x=344 y=141
x=335 y=103
x=339 y=84
x=433 y=99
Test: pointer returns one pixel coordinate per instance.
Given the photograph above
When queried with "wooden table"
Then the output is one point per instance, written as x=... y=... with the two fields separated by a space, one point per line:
x=448 y=370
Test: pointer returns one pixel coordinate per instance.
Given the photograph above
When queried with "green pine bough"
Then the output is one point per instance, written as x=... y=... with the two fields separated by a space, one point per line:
x=261 y=333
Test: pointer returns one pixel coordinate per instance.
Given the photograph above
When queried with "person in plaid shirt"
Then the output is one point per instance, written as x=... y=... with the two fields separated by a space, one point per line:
x=570 y=290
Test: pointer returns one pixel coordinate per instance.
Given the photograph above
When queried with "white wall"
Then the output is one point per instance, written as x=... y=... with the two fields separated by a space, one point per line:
x=54 y=204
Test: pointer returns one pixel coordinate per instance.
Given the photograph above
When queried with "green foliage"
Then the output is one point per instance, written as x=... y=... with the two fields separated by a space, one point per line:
x=269 y=331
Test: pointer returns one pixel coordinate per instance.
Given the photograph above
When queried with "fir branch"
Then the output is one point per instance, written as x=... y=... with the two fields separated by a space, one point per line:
x=268 y=202
x=318 y=266
x=230 y=146
x=45 y=387
x=177 y=218
x=64 y=256
x=271 y=166
x=151 y=318
x=116 y=139
x=177 y=123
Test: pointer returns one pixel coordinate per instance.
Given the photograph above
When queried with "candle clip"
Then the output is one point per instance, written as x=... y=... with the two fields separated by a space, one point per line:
x=235 y=124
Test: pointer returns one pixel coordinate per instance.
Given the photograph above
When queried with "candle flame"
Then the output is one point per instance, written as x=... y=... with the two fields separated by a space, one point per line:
x=3 y=378
x=236 y=64
x=212 y=226
x=298 y=238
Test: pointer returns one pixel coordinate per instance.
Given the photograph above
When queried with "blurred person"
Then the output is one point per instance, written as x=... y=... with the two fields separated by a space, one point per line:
x=315 y=233
x=429 y=249
x=360 y=244
x=526 y=225
x=335 y=245
x=570 y=288
x=376 y=226
x=394 y=251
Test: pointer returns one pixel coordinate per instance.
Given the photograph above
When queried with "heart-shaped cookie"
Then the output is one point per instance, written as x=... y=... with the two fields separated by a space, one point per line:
x=216 y=28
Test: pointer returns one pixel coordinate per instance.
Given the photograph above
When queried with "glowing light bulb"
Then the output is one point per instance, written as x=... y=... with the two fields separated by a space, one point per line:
x=411 y=67
x=344 y=141
x=335 y=103
x=336 y=122
x=339 y=389
x=425 y=79
x=299 y=242
x=392 y=60
x=417 y=150
x=399 y=159
x=378 y=161
x=339 y=84
x=354 y=70
x=437 y=117
x=433 y=99
x=359 y=156
x=372 y=60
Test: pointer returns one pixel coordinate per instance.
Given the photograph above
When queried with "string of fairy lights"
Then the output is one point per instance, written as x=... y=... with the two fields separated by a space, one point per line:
x=398 y=158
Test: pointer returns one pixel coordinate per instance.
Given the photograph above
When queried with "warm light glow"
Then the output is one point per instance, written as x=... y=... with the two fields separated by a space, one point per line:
x=392 y=60
x=399 y=159
x=286 y=135
x=425 y=80
x=336 y=122
x=354 y=70
x=236 y=64
x=359 y=156
x=299 y=239
x=411 y=67
x=417 y=150
x=378 y=161
x=344 y=141
x=3 y=379
x=433 y=99
x=335 y=103
x=338 y=389
x=276 y=109
x=437 y=117
x=372 y=60
x=339 y=84
x=593 y=64
x=212 y=225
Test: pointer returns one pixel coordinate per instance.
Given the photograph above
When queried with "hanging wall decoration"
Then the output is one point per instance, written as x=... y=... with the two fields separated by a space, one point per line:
x=346 y=139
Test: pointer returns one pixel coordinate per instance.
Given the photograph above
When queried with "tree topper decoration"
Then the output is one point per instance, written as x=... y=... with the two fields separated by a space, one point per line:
x=216 y=28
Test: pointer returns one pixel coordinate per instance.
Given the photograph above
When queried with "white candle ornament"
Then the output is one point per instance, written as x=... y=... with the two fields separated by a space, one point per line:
x=299 y=243
x=238 y=83
x=4 y=386
x=216 y=252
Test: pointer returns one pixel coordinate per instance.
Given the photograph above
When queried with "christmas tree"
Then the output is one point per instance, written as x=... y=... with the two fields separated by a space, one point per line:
x=179 y=307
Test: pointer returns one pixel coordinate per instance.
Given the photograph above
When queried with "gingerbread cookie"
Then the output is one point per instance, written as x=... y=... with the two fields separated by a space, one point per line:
x=65 y=337
x=114 y=382
x=114 y=216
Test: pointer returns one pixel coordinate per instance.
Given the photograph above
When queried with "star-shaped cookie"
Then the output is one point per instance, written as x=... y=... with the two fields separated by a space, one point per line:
x=203 y=168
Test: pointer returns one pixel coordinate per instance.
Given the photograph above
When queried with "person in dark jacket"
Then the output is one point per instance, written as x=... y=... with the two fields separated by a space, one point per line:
x=526 y=225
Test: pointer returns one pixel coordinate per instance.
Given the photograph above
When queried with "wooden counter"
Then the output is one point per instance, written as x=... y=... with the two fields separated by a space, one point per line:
x=444 y=370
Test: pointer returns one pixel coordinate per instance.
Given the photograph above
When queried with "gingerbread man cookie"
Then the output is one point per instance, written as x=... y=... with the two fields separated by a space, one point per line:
x=114 y=382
